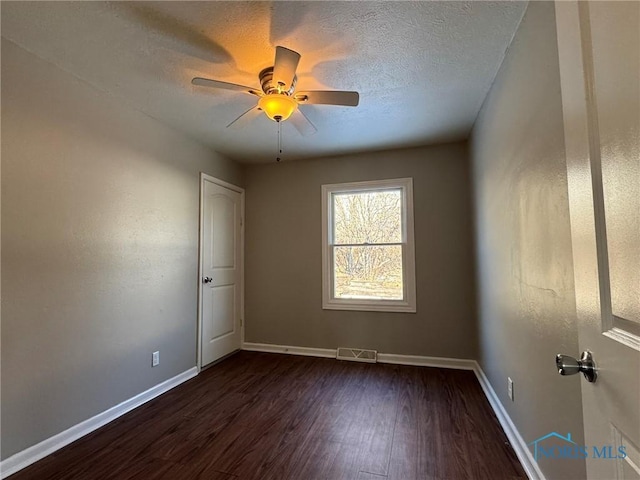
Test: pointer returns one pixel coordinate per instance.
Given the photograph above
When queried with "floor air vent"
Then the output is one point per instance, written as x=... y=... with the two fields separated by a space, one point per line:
x=357 y=355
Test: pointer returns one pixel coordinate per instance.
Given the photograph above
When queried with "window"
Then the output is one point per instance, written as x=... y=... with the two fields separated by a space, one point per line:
x=368 y=253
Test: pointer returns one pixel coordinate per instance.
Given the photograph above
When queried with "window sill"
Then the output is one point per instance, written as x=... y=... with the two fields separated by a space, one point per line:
x=400 y=307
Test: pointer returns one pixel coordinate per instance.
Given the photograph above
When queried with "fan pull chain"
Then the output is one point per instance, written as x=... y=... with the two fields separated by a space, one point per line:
x=279 y=141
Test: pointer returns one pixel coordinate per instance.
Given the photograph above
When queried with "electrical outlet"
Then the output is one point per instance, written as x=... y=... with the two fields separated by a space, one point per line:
x=510 y=388
x=155 y=359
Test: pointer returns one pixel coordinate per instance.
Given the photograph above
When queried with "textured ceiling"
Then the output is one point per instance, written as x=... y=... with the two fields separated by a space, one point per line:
x=422 y=69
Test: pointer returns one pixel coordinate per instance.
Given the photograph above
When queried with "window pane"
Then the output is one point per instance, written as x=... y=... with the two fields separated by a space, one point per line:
x=367 y=217
x=368 y=272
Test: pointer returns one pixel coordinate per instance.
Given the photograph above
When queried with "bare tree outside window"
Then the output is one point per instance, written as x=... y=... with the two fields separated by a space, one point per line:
x=367 y=244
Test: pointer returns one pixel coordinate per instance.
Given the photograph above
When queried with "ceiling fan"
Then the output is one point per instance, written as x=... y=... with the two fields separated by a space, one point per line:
x=278 y=98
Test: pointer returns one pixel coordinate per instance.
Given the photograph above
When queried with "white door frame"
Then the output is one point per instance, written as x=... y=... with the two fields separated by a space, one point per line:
x=204 y=177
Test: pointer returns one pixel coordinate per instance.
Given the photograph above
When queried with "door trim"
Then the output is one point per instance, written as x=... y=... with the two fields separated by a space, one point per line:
x=204 y=177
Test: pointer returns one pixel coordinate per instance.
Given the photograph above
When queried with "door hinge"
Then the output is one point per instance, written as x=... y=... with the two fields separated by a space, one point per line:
x=241 y=322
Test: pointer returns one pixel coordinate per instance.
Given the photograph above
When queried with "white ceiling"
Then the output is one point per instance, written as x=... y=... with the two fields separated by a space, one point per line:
x=422 y=69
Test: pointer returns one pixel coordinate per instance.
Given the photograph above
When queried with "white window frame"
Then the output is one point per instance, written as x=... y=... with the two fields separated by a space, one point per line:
x=329 y=302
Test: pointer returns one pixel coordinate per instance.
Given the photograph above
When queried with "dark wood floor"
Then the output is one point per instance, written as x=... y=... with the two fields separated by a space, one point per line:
x=269 y=416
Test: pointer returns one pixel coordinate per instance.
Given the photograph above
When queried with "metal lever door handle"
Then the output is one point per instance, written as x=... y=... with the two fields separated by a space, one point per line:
x=568 y=365
x=207 y=280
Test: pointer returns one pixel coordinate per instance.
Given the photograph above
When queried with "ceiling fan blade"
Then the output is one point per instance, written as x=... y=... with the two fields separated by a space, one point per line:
x=245 y=118
x=284 y=68
x=328 y=97
x=205 y=82
x=302 y=123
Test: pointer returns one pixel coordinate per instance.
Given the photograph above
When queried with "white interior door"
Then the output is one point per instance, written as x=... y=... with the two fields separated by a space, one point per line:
x=599 y=51
x=221 y=269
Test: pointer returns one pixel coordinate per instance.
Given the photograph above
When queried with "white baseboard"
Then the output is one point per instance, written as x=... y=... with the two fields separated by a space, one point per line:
x=382 y=357
x=34 y=453
x=440 y=362
x=517 y=442
x=519 y=445
x=307 y=351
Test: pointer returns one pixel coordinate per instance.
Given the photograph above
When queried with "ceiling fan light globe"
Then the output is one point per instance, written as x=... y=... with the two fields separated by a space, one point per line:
x=277 y=106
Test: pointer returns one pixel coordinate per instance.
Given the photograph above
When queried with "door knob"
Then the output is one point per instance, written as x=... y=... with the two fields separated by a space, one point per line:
x=207 y=280
x=570 y=366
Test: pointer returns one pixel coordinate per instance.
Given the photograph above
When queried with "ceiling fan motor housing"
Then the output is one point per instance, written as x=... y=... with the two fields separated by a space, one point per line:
x=269 y=86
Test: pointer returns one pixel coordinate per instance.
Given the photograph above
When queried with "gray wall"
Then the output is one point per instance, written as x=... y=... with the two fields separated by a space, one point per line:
x=284 y=246
x=525 y=270
x=99 y=249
